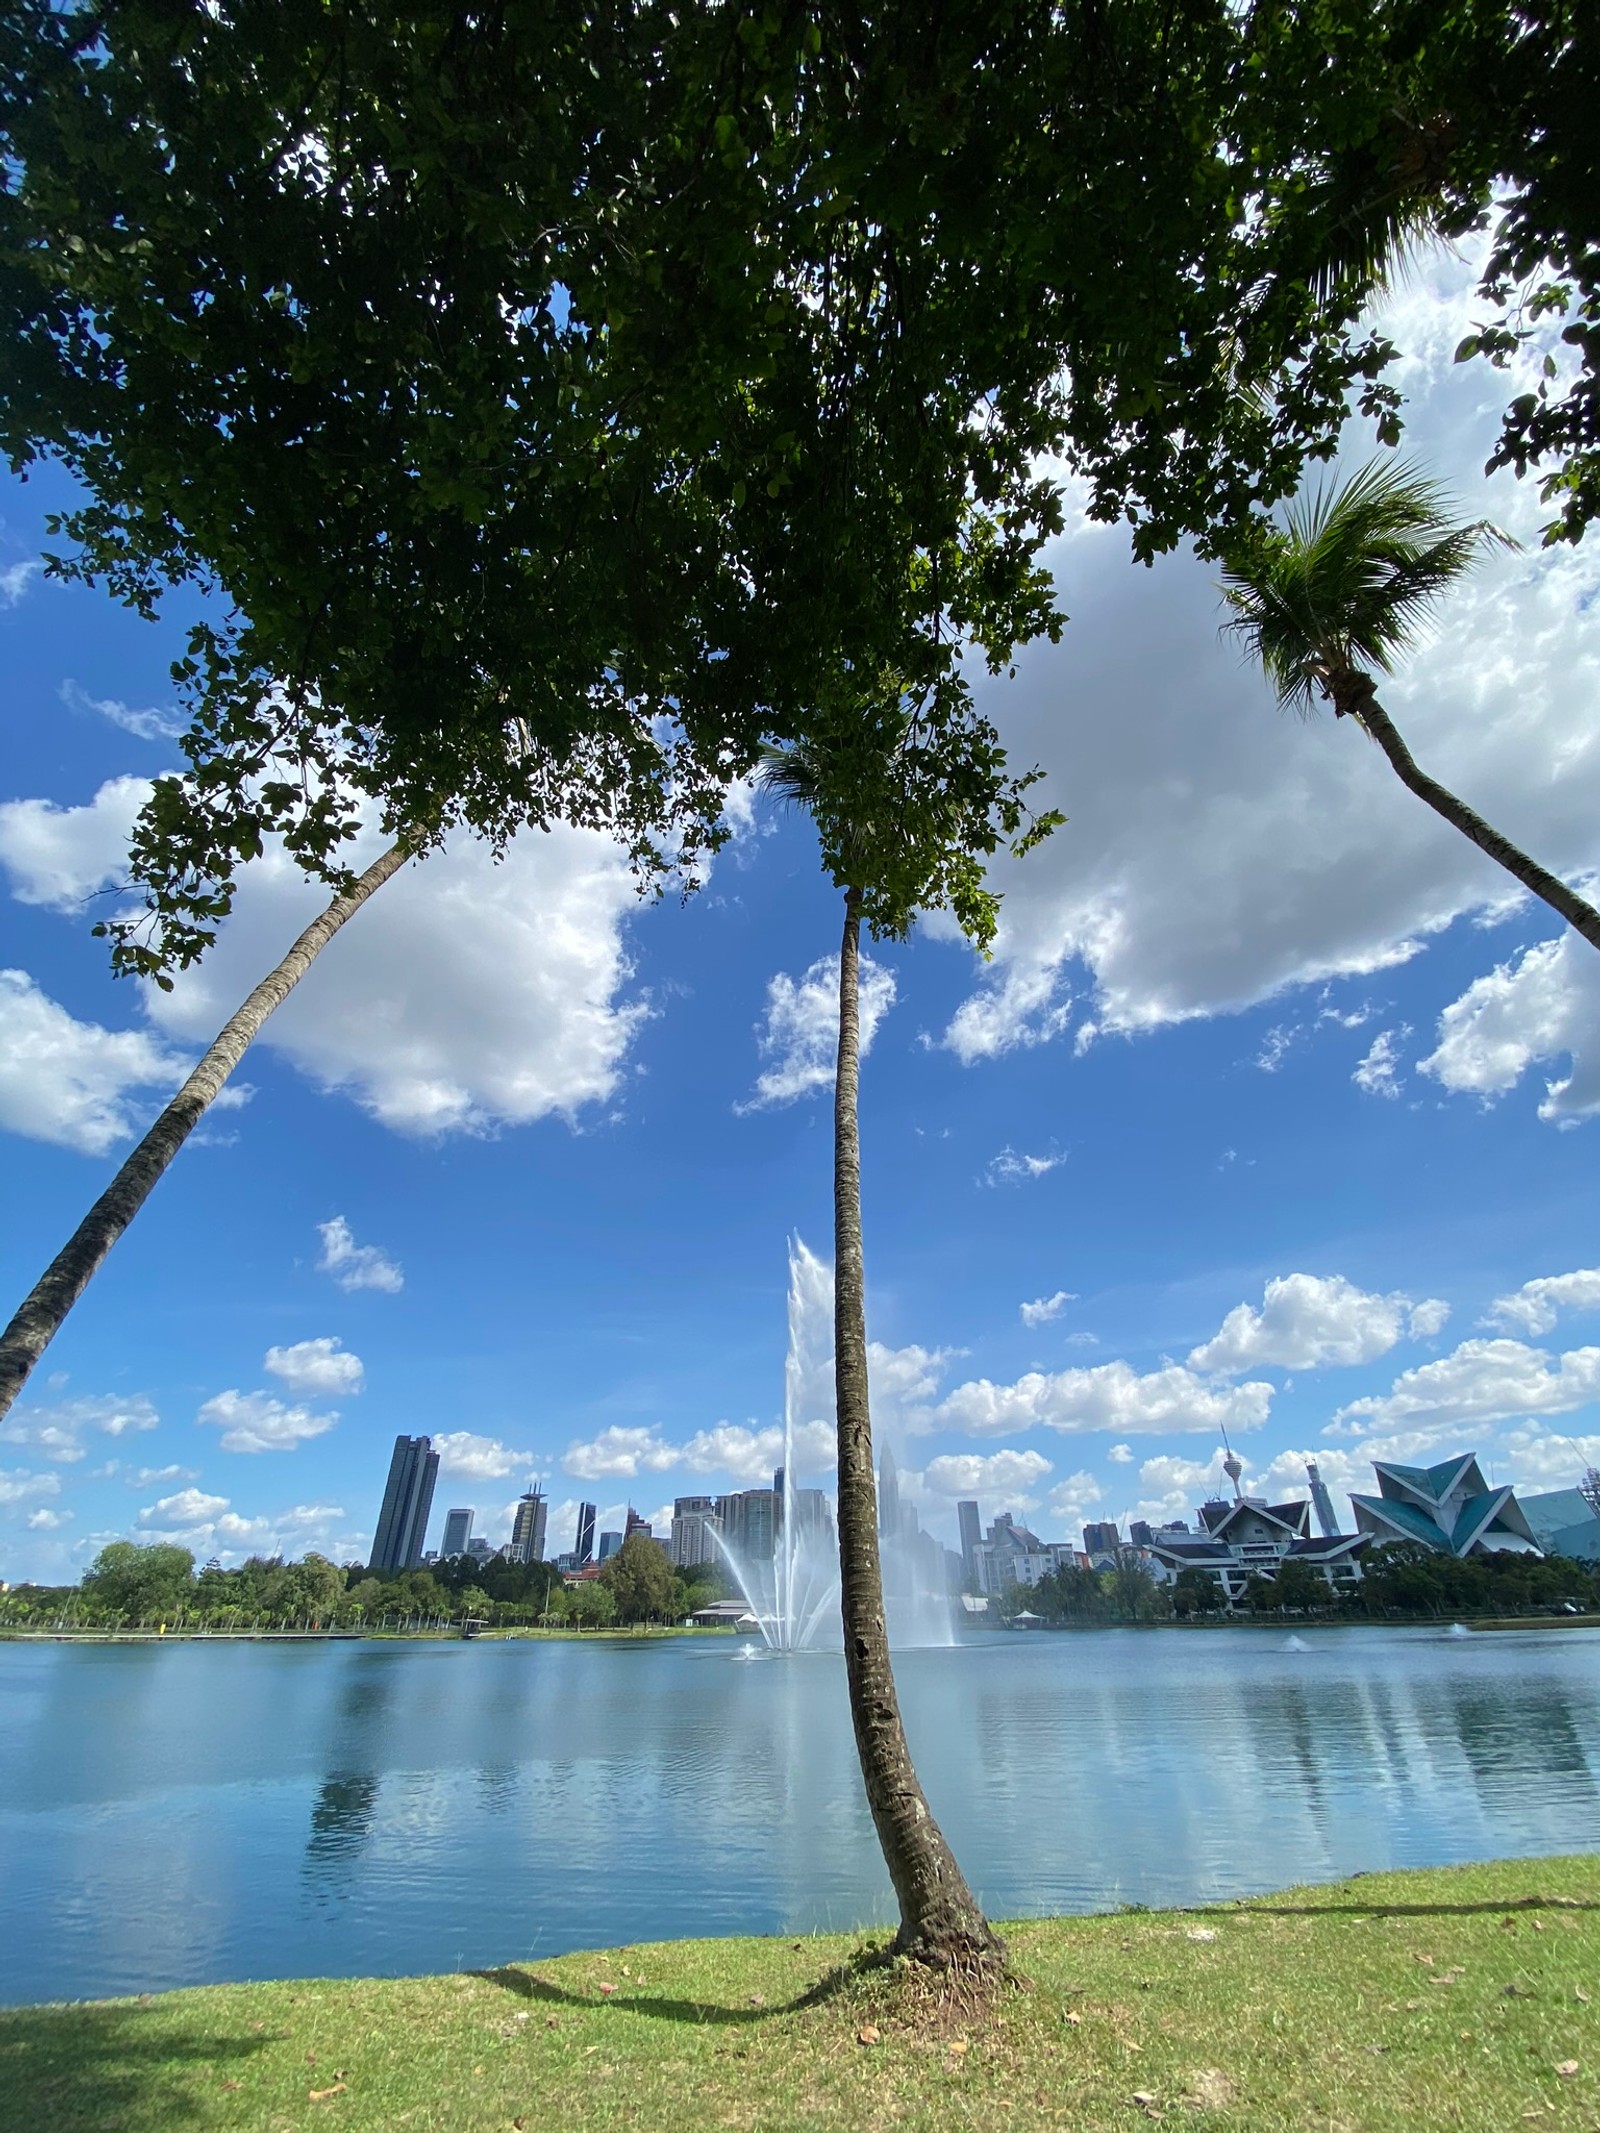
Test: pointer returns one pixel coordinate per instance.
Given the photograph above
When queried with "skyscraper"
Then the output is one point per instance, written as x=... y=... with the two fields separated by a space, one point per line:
x=971 y=1529
x=694 y=1522
x=749 y=1521
x=583 y=1547
x=407 y=1500
x=457 y=1533
x=1100 y=1537
x=527 y=1528
x=609 y=1544
x=888 y=1494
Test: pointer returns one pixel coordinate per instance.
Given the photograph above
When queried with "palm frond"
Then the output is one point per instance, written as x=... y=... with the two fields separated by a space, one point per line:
x=1349 y=577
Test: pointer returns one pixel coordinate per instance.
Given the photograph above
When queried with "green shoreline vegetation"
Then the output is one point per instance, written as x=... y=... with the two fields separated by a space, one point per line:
x=1463 y=1997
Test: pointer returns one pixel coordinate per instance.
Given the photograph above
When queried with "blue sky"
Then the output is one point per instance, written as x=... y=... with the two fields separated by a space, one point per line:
x=1270 y=1108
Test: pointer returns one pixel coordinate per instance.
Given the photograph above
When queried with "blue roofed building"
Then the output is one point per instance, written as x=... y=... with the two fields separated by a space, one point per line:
x=1564 y=1523
x=1448 y=1507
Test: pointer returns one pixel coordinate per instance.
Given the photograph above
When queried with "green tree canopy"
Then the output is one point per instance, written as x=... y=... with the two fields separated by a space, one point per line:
x=143 y=1582
x=640 y=1580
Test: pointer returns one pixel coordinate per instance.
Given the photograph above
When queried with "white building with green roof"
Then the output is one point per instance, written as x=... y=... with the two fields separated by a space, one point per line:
x=1448 y=1507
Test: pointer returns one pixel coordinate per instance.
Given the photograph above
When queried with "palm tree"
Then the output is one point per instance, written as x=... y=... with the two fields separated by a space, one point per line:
x=43 y=1311
x=1338 y=589
x=895 y=836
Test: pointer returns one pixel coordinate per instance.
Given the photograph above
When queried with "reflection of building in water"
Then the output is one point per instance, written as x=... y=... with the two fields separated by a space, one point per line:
x=341 y=1816
x=1448 y=1507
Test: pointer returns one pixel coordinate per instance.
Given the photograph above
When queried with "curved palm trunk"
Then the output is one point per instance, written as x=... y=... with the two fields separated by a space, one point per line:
x=1355 y=694
x=41 y=1315
x=940 y=1920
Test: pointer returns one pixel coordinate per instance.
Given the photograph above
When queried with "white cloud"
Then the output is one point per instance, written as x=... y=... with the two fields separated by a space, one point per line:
x=190 y=1507
x=1537 y=1304
x=1072 y=1500
x=1009 y=1475
x=1543 y=1004
x=58 y=1430
x=256 y=1422
x=1428 y=1317
x=1481 y=1381
x=619 y=1452
x=1010 y=1167
x=1375 y=1070
x=465 y=1456
x=323 y=1365
x=155 y=723
x=468 y=995
x=65 y=1081
x=800 y=1038
x=17 y=1485
x=15 y=579
x=1023 y=1009
x=1310 y=1321
x=59 y=857
x=1219 y=852
x=151 y=1477
x=1121 y=1454
x=44 y=1521
x=1111 y=1396
x=356 y=1266
x=1044 y=1308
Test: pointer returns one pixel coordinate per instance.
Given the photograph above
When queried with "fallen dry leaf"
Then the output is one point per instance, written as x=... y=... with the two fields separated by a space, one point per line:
x=1537 y=1924
x=758 y=1999
x=231 y=2084
x=1567 y=2069
x=1143 y=2098
x=1074 y=2018
x=322 y=2095
x=626 y=1971
x=1416 y=1958
x=1580 y=1995
x=868 y=2033
x=958 y=2044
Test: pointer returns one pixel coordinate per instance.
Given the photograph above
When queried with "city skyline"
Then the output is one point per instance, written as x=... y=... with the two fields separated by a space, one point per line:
x=1272 y=1112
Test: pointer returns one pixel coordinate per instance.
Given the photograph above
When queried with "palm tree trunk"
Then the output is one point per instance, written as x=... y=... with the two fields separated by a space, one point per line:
x=940 y=1921
x=42 y=1313
x=1356 y=695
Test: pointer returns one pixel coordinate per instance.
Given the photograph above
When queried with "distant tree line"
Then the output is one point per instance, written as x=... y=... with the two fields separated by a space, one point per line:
x=129 y=1586
x=1404 y=1580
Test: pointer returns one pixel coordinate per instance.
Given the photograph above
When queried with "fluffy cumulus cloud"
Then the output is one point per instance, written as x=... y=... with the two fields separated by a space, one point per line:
x=59 y=857
x=465 y=1456
x=1044 y=1308
x=1535 y=1307
x=1110 y=1396
x=1173 y=1485
x=466 y=996
x=57 y=1430
x=1074 y=1500
x=319 y=1366
x=1481 y=1381
x=1011 y=1476
x=210 y=1526
x=619 y=1453
x=189 y=1507
x=750 y=1456
x=357 y=1266
x=799 y=1038
x=1541 y=1007
x=18 y=1485
x=1267 y=851
x=68 y=1082
x=1309 y=1321
x=256 y=1422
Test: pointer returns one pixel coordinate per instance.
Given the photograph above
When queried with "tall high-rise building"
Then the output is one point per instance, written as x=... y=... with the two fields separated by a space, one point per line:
x=1100 y=1537
x=1323 y=1502
x=971 y=1530
x=609 y=1544
x=694 y=1525
x=750 y=1524
x=636 y=1522
x=583 y=1546
x=407 y=1500
x=889 y=1520
x=457 y=1533
x=527 y=1528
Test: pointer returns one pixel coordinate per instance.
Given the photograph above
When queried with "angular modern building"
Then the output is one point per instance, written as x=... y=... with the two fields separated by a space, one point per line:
x=1249 y=1538
x=583 y=1545
x=1448 y=1507
x=527 y=1527
x=1563 y=1522
x=407 y=1501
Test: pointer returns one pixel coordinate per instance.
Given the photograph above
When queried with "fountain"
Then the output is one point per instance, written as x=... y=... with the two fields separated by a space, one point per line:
x=794 y=1594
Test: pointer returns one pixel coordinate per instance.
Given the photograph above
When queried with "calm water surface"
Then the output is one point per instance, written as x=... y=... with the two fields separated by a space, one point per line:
x=182 y=1814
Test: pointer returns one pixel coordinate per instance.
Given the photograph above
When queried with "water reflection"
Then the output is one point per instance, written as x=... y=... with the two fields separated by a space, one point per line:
x=266 y=1811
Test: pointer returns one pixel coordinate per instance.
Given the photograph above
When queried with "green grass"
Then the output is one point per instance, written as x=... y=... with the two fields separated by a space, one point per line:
x=1465 y=1998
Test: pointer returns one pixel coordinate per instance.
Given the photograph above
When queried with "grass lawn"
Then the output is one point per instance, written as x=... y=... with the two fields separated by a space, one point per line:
x=1464 y=1998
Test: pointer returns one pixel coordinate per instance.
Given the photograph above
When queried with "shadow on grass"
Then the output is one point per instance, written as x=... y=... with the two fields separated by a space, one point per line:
x=829 y=1986
x=1397 y=1910
x=89 y=2070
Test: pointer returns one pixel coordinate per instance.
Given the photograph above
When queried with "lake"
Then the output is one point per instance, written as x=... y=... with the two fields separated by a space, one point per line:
x=181 y=1814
